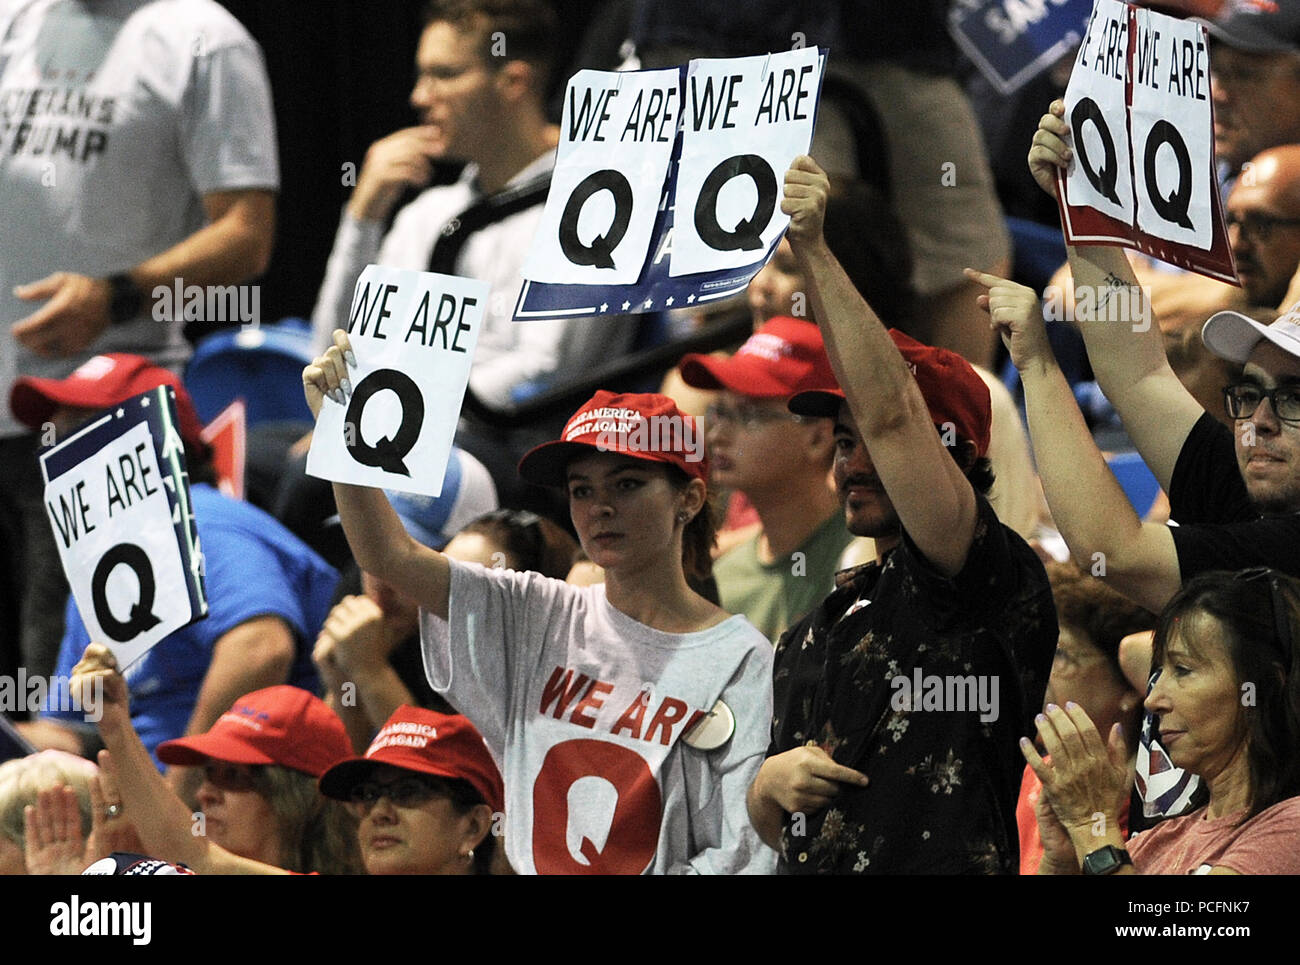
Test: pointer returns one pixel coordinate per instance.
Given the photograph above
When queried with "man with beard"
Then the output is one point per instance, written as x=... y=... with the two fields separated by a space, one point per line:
x=900 y=699
x=1263 y=214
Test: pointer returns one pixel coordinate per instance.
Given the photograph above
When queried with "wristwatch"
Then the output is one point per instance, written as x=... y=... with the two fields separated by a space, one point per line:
x=125 y=298
x=1106 y=860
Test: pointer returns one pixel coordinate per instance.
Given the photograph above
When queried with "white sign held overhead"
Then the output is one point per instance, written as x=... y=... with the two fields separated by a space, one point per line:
x=1095 y=109
x=745 y=120
x=1173 y=137
x=1141 y=120
x=413 y=334
x=616 y=136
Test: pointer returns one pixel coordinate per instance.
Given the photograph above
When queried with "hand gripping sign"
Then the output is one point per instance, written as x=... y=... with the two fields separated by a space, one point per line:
x=117 y=495
x=667 y=184
x=413 y=334
x=1142 y=129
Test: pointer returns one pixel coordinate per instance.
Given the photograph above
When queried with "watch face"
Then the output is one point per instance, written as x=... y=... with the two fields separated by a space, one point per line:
x=1105 y=860
x=125 y=300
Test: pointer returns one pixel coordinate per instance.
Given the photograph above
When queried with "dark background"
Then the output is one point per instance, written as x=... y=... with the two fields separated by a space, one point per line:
x=341 y=73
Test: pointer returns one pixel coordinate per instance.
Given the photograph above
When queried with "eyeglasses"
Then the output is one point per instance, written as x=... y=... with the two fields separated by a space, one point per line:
x=406 y=792
x=1259 y=227
x=1243 y=398
x=751 y=418
x=231 y=777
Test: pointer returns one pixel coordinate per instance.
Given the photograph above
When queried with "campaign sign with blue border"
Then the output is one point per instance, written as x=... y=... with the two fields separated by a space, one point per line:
x=738 y=111
x=118 y=498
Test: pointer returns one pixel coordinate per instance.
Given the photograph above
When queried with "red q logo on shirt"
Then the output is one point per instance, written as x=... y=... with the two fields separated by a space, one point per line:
x=558 y=809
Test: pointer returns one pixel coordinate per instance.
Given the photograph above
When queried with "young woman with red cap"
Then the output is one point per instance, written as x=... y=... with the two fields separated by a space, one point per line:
x=628 y=717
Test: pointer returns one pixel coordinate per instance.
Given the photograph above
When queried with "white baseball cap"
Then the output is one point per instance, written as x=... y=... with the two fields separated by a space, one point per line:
x=1233 y=336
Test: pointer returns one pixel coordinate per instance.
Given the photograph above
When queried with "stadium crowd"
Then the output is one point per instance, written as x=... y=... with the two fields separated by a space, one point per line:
x=889 y=599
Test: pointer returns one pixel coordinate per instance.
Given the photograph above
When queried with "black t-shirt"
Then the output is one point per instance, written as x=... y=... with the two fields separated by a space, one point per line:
x=943 y=780
x=1218 y=526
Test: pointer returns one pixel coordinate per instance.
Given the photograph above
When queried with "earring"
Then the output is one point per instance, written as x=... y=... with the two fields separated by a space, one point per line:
x=470 y=855
x=683 y=516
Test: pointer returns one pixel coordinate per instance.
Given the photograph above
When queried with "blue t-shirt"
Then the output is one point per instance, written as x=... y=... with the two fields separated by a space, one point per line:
x=253 y=567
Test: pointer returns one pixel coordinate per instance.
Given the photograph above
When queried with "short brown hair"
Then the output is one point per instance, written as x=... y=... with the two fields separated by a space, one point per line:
x=527 y=28
x=1086 y=604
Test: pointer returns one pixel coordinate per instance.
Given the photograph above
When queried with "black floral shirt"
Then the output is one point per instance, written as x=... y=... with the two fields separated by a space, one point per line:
x=925 y=684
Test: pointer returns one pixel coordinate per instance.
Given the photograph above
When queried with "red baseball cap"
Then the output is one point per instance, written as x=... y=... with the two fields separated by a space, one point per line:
x=953 y=391
x=785 y=356
x=276 y=725
x=101 y=382
x=643 y=425
x=425 y=741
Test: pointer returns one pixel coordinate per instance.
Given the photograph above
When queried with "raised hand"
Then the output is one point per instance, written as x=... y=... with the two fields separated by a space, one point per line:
x=1049 y=152
x=52 y=833
x=1085 y=777
x=1015 y=314
x=392 y=164
x=328 y=374
x=353 y=636
x=96 y=685
x=806 y=191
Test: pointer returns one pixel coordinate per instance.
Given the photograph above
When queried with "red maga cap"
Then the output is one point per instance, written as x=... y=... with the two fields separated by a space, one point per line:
x=953 y=391
x=643 y=425
x=425 y=741
x=99 y=383
x=276 y=725
x=784 y=357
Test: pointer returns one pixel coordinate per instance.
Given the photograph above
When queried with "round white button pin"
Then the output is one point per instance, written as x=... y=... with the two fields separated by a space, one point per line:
x=713 y=730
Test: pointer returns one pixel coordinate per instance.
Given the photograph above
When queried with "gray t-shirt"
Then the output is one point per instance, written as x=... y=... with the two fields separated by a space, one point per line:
x=116 y=118
x=584 y=709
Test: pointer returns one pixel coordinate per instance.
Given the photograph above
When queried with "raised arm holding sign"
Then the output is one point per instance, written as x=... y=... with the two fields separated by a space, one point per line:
x=911 y=429
x=1140 y=109
x=1248 y=472
x=658 y=667
x=414 y=333
x=379 y=541
x=1124 y=343
x=108 y=493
